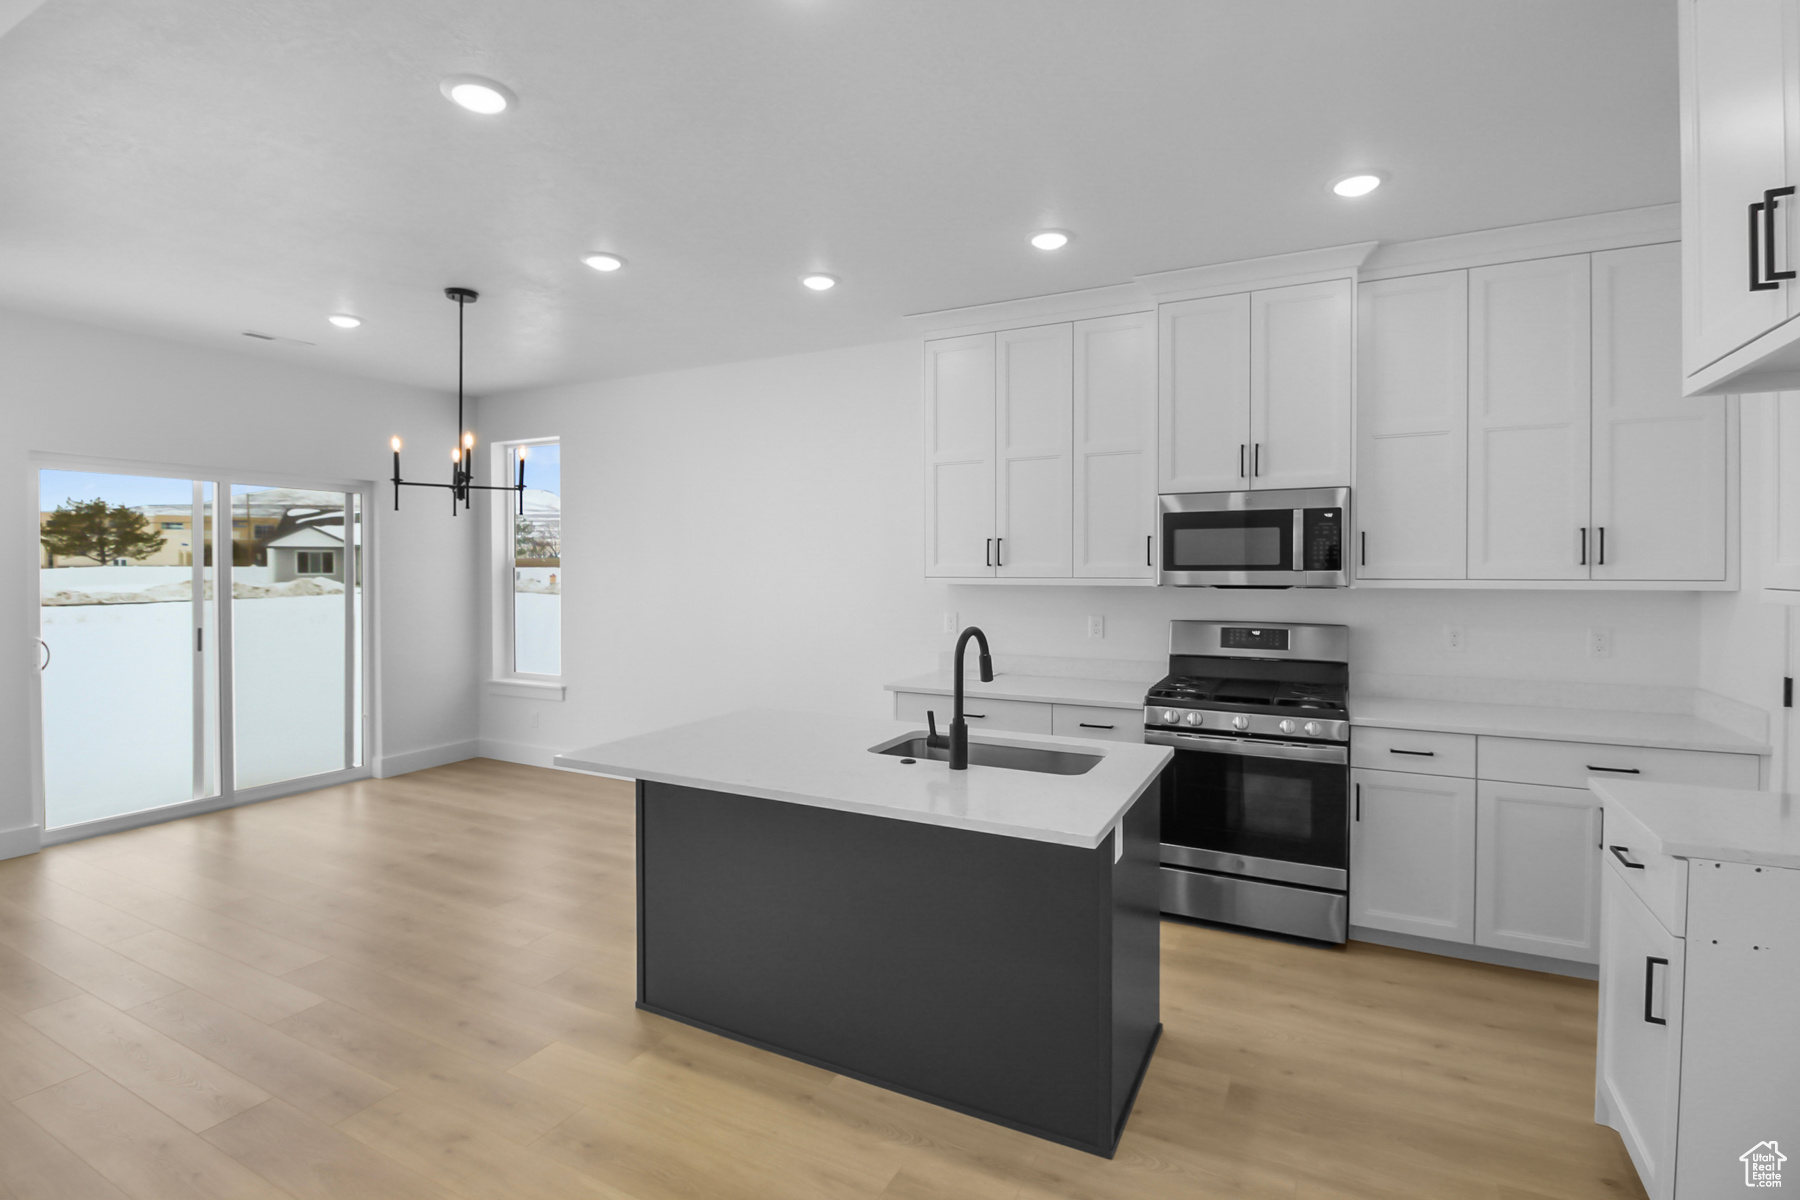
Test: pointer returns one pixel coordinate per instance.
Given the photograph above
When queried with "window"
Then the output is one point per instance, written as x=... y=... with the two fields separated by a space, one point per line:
x=264 y=532
x=535 y=619
x=174 y=525
x=315 y=562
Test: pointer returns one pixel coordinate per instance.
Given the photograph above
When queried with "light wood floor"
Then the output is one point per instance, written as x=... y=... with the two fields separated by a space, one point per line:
x=422 y=987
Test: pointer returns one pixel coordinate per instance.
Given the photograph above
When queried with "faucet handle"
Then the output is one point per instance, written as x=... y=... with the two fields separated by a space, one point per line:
x=935 y=738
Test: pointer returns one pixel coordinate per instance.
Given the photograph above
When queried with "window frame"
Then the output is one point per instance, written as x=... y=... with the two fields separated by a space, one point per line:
x=506 y=677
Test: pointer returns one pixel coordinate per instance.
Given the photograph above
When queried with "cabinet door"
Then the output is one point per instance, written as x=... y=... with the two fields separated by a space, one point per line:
x=1300 y=351
x=1203 y=391
x=1537 y=870
x=1412 y=420
x=1032 y=422
x=1734 y=61
x=1529 y=420
x=1640 y=1031
x=1777 y=420
x=1115 y=446
x=959 y=456
x=1659 y=498
x=1412 y=854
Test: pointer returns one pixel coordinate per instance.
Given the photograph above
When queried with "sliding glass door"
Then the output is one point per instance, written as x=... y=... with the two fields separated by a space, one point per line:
x=194 y=658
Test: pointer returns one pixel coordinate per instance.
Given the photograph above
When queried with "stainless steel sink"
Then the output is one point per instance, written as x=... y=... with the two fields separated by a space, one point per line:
x=990 y=754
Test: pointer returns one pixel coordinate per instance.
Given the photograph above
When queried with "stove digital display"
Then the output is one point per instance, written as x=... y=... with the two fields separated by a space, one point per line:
x=1234 y=638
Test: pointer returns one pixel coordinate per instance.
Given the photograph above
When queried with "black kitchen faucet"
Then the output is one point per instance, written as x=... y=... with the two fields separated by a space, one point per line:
x=958 y=739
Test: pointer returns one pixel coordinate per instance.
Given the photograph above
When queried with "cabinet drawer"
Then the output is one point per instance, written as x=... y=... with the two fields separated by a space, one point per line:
x=1108 y=724
x=1407 y=750
x=1570 y=764
x=1657 y=879
x=1015 y=716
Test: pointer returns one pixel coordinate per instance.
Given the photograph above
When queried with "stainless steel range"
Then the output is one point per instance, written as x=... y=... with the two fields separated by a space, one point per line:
x=1256 y=805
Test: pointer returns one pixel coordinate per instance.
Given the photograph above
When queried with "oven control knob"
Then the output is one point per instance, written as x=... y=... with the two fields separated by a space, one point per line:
x=1169 y=716
x=1240 y=722
x=1288 y=727
x=1313 y=729
x=1194 y=718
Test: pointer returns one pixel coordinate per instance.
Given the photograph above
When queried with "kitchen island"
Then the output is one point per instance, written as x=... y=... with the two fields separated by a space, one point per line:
x=986 y=940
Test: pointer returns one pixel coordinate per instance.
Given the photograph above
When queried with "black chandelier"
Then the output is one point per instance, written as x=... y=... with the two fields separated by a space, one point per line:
x=462 y=483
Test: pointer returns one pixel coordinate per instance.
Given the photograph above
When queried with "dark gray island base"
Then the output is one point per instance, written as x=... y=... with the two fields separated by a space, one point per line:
x=1011 y=979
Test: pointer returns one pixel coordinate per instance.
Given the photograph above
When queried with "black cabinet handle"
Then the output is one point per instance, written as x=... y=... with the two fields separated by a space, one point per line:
x=1583 y=546
x=1363 y=554
x=1359 y=801
x=1147 y=538
x=1416 y=753
x=974 y=716
x=1618 y=852
x=1256 y=459
x=1241 y=449
x=1600 y=556
x=1650 y=986
x=1771 y=199
x=999 y=553
x=989 y=553
x=1756 y=284
x=1085 y=725
x=1616 y=770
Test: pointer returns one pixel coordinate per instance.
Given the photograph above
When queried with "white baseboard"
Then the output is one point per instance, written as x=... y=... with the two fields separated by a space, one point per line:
x=25 y=839
x=523 y=753
x=1480 y=954
x=430 y=756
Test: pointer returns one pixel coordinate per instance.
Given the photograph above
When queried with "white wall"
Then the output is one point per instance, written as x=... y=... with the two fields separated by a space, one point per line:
x=81 y=390
x=750 y=535
x=1744 y=638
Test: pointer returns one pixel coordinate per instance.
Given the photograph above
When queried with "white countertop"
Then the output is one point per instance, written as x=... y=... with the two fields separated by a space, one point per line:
x=1036 y=689
x=1725 y=824
x=825 y=762
x=1674 y=731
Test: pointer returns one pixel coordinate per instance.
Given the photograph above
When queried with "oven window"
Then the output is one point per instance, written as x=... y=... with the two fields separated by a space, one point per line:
x=1246 y=547
x=1254 y=540
x=1259 y=807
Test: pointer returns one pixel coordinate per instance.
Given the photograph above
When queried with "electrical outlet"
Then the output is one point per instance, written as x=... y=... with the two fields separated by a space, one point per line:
x=1599 y=643
x=1096 y=627
x=950 y=622
x=1455 y=637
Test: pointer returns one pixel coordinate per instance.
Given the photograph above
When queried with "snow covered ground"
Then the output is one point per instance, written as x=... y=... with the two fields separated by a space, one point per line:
x=131 y=579
x=118 y=697
x=538 y=645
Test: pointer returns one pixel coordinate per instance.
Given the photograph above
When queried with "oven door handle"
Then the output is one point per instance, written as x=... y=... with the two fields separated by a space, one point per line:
x=1245 y=748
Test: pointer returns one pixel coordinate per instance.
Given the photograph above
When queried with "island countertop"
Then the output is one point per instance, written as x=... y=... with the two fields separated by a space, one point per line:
x=825 y=762
x=1719 y=824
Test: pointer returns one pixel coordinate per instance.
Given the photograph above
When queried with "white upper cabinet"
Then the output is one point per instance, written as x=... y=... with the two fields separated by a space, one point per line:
x=1300 y=384
x=1738 y=81
x=1031 y=428
x=1529 y=416
x=1255 y=389
x=1659 y=459
x=959 y=457
x=1204 y=394
x=1115 y=446
x=1412 y=412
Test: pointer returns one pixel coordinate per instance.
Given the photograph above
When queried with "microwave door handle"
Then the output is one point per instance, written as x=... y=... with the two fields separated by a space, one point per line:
x=1299 y=563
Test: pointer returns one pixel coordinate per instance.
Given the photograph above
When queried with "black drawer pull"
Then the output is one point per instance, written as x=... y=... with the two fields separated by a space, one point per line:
x=975 y=716
x=1085 y=725
x=1415 y=753
x=1650 y=986
x=1618 y=852
x=1616 y=770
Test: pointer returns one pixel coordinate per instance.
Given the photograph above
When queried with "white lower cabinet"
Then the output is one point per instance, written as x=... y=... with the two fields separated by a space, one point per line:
x=1412 y=854
x=1639 y=1060
x=1014 y=716
x=1537 y=870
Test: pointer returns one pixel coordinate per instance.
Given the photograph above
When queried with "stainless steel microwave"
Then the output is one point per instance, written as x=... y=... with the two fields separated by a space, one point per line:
x=1272 y=539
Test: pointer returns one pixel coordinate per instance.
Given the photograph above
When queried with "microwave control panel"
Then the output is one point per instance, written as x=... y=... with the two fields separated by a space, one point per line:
x=1322 y=539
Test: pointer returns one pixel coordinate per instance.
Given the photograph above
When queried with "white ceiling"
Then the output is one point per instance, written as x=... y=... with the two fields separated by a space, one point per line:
x=194 y=168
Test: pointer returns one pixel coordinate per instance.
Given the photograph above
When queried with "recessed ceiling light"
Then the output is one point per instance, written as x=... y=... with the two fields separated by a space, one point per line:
x=602 y=261
x=1050 y=239
x=478 y=95
x=1359 y=184
x=344 y=320
x=819 y=282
